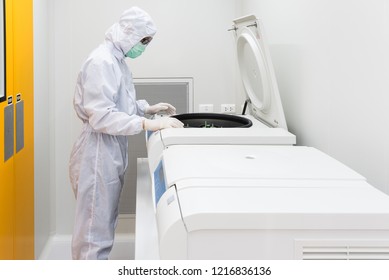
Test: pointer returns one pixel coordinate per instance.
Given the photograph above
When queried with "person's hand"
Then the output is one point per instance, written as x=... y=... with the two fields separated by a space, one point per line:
x=168 y=108
x=161 y=123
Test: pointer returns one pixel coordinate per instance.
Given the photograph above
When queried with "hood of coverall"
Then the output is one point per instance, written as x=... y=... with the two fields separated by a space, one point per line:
x=134 y=25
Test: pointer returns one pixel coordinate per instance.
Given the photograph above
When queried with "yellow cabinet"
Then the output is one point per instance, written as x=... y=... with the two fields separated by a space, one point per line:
x=17 y=134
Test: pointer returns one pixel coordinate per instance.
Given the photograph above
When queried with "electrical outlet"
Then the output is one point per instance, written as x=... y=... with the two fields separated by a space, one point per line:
x=206 y=108
x=227 y=108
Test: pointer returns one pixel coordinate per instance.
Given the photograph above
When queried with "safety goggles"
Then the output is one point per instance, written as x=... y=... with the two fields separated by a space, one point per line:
x=146 y=40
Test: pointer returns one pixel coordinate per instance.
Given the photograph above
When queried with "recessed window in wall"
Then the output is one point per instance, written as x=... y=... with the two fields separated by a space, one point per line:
x=2 y=51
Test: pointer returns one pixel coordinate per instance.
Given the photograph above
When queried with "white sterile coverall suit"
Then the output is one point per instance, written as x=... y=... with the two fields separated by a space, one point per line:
x=105 y=101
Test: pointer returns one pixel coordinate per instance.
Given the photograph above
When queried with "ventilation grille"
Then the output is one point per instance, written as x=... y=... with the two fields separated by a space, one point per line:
x=345 y=253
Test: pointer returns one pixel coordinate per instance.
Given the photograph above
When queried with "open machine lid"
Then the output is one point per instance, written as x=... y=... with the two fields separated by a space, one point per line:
x=257 y=72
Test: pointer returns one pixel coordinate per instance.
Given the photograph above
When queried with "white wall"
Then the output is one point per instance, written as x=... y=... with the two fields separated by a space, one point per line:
x=43 y=191
x=332 y=64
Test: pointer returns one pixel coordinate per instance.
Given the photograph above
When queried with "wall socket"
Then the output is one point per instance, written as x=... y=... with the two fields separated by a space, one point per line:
x=206 y=108
x=227 y=108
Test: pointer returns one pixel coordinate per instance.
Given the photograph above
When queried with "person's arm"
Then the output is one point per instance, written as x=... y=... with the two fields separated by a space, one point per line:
x=100 y=86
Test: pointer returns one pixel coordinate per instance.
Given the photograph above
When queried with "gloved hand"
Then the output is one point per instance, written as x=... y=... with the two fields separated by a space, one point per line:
x=161 y=123
x=170 y=110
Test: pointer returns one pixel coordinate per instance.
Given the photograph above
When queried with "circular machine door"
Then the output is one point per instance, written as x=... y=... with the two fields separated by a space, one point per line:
x=254 y=70
x=212 y=120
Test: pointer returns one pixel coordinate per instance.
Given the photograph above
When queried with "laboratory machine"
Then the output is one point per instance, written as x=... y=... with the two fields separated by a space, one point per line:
x=240 y=189
x=262 y=121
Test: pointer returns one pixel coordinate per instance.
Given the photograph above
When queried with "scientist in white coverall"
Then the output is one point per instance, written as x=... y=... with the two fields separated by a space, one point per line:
x=105 y=101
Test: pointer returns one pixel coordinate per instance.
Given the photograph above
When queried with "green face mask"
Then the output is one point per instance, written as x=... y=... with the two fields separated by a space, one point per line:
x=136 y=50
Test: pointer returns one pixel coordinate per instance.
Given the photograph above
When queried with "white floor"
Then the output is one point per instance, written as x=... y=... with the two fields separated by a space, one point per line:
x=58 y=246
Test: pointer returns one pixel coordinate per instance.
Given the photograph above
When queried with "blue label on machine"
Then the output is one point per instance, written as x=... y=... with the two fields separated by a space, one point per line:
x=159 y=182
x=148 y=134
